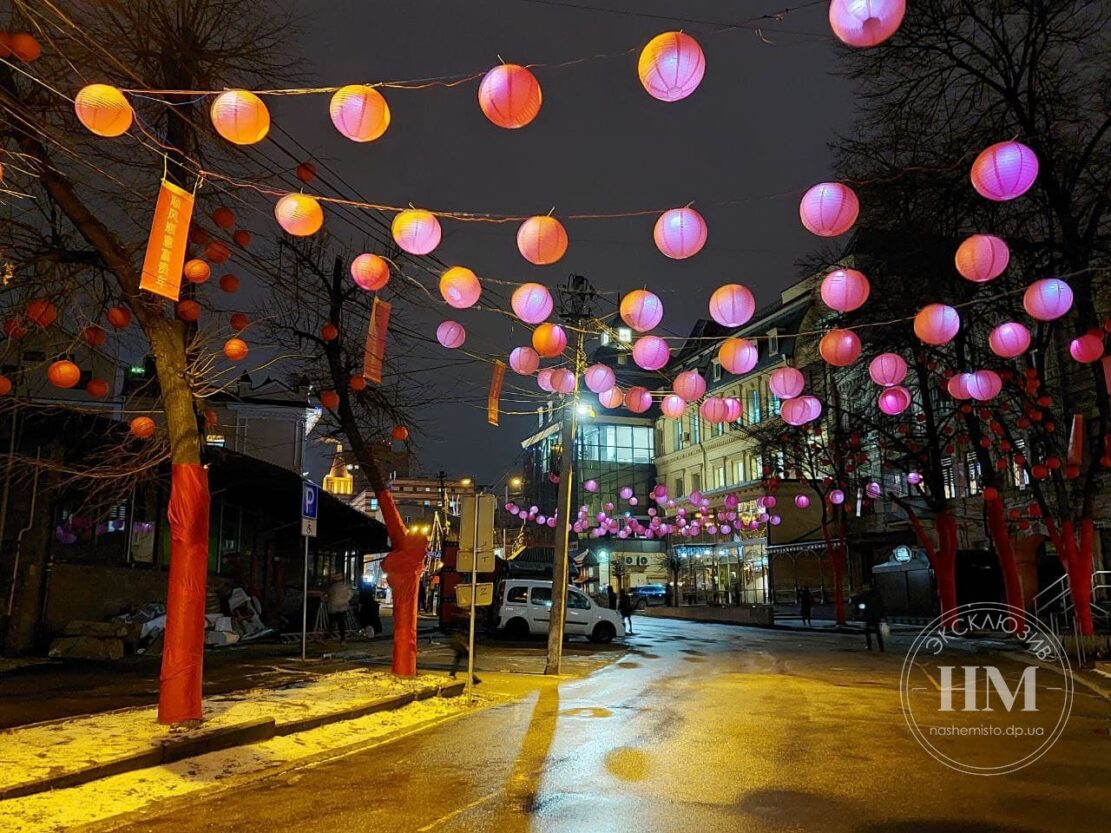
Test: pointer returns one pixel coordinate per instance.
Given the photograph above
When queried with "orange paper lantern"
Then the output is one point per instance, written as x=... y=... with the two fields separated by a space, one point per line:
x=217 y=251
x=416 y=231
x=94 y=336
x=63 y=374
x=356 y=383
x=41 y=312
x=142 y=427
x=359 y=112
x=459 y=286
x=229 y=283
x=549 y=340
x=840 y=348
x=542 y=240
x=370 y=272
x=329 y=332
x=329 y=399
x=24 y=46
x=188 y=310
x=103 y=109
x=299 y=214
x=235 y=349
x=400 y=433
x=509 y=96
x=239 y=321
x=224 y=217
x=197 y=271
x=242 y=238
x=240 y=117
x=97 y=388
x=118 y=317
x=5 y=385
x=306 y=172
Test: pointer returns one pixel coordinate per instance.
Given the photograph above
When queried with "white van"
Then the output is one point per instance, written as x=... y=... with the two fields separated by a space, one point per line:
x=525 y=605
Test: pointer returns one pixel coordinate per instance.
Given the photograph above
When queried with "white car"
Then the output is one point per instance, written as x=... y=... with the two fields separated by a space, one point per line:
x=525 y=605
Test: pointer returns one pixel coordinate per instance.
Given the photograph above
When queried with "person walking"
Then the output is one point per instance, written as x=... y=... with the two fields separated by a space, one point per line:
x=369 y=610
x=460 y=644
x=625 y=608
x=338 y=599
x=869 y=609
x=612 y=594
x=806 y=602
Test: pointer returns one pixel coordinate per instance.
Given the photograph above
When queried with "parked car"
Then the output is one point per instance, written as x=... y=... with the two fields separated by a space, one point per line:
x=648 y=594
x=524 y=608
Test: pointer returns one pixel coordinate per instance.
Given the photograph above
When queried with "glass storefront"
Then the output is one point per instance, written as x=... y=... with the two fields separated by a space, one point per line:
x=724 y=574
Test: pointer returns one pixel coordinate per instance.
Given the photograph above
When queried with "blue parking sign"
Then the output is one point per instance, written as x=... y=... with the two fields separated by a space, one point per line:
x=310 y=500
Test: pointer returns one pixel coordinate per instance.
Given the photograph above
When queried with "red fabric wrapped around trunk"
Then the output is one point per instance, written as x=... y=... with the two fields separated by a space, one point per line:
x=403 y=567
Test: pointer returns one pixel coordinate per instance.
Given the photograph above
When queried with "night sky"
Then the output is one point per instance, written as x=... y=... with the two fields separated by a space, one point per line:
x=743 y=147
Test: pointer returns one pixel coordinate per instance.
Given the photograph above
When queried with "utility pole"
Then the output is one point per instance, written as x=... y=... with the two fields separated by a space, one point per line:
x=575 y=300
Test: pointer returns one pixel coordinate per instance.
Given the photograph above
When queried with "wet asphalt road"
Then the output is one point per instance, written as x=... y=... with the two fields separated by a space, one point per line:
x=696 y=728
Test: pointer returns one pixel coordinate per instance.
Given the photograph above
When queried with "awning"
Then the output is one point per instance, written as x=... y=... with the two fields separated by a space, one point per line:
x=797 y=547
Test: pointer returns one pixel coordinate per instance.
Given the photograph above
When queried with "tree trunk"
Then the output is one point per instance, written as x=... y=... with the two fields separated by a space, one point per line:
x=1001 y=537
x=836 y=554
x=943 y=558
x=1077 y=559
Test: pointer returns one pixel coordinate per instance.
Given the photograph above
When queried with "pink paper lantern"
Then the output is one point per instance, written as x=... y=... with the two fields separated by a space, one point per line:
x=524 y=361
x=982 y=257
x=1047 y=299
x=638 y=400
x=802 y=501
x=845 y=290
x=591 y=485
x=800 y=410
x=611 y=398
x=829 y=209
x=1009 y=340
x=542 y=240
x=864 y=23
x=738 y=355
x=459 y=286
x=786 y=382
x=914 y=478
x=958 y=386
x=625 y=492
x=544 y=379
x=359 y=112
x=510 y=96
x=690 y=385
x=732 y=409
x=714 y=410
x=416 y=231
x=1004 y=171
x=1086 y=348
x=836 y=497
x=937 y=324
x=673 y=406
x=732 y=305
x=873 y=489
x=651 y=353
x=641 y=310
x=531 y=302
x=984 y=385
x=770 y=501
x=887 y=369
x=671 y=66
x=599 y=378
x=370 y=271
x=563 y=380
x=451 y=334
x=840 y=348
x=680 y=233
x=893 y=400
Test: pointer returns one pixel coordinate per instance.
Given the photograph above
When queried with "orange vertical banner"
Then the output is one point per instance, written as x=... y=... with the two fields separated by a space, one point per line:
x=495 y=392
x=376 y=341
x=169 y=235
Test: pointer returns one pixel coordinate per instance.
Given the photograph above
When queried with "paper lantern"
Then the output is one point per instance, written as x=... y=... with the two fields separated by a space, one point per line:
x=118 y=317
x=671 y=66
x=229 y=283
x=591 y=485
x=802 y=501
x=611 y=398
x=1047 y=299
x=936 y=324
x=690 y=385
x=24 y=46
x=299 y=215
x=1004 y=171
x=509 y=96
x=359 y=112
x=544 y=380
x=786 y=382
x=732 y=409
x=356 y=383
x=563 y=380
x=836 y=497
x=542 y=240
x=306 y=172
x=732 y=305
x=41 y=312
x=329 y=399
x=531 y=302
x=914 y=478
x=829 y=209
x=984 y=385
x=845 y=290
x=1086 y=348
x=673 y=406
x=873 y=489
x=97 y=388
x=549 y=340
x=188 y=310
x=63 y=374
x=893 y=400
x=800 y=410
x=1009 y=340
x=235 y=349
x=451 y=334
x=459 y=286
x=840 y=348
x=625 y=492
x=103 y=109
x=224 y=217
x=239 y=321
x=524 y=361
x=217 y=252
x=864 y=23
x=641 y=310
x=887 y=369
x=142 y=427
x=329 y=332
x=14 y=330
x=680 y=233
x=651 y=353
x=416 y=231
x=399 y=433
x=94 y=336
x=196 y=271
x=638 y=399
x=240 y=117
x=370 y=272
x=599 y=378
x=242 y=238
x=957 y=386
x=738 y=355
x=982 y=257
x=714 y=410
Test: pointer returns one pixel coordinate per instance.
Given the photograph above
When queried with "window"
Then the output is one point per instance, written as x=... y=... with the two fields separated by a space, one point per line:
x=947 y=477
x=542 y=596
x=776 y=404
x=577 y=600
x=755 y=406
x=718 y=429
x=972 y=466
x=773 y=342
x=696 y=482
x=715 y=371
x=679 y=487
x=624 y=335
x=719 y=477
x=604 y=339
x=517 y=595
x=696 y=428
x=1018 y=473
x=739 y=471
x=678 y=435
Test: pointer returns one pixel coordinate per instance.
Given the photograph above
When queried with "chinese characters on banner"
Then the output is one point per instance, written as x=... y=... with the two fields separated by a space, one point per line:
x=169 y=235
x=376 y=341
x=495 y=392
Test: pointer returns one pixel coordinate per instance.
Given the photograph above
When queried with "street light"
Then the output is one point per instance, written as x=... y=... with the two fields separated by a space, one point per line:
x=466 y=481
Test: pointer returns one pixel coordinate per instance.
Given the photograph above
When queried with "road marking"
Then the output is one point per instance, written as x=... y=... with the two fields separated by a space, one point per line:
x=922 y=668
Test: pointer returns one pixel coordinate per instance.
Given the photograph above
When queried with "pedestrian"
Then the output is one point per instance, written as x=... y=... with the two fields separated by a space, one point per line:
x=625 y=608
x=338 y=599
x=460 y=644
x=369 y=610
x=612 y=596
x=869 y=609
x=806 y=602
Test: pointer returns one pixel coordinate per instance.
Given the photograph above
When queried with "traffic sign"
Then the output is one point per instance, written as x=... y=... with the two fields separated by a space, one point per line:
x=308 y=527
x=310 y=500
x=484 y=591
x=484 y=541
x=464 y=562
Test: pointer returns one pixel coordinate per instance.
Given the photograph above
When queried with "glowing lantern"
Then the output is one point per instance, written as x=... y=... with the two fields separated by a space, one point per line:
x=591 y=485
x=714 y=410
x=451 y=334
x=786 y=382
x=937 y=324
x=732 y=409
x=94 y=336
x=1009 y=340
x=217 y=252
x=329 y=332
x=690 y=385
x=14 y=330
x=800 y=410
x=239 y=321
x=103 y=109
x=459 y=286
x=197 y=271
x=97 y=388
x=738 y=355
x=894 y=400
x=563 y=380
x=370 y=272
x=845 y=290
x=638 y=399
x=41 y=312
x=873 y=490
x=914 y=478
x=240 y=117
x=524 y=361
x=235 y=349
x=142 y=427
x=887 y=369
x=242 y=238
x=982 y=257
x=544 y=380
x=611 y=398
x=359 y=112
x=299 y=214
x=732 y=305
x=671 y=66
x=356 y=383
x=958 y=386
x=680 y=233
x=829 y=209
x=329 y=399
x=224 y=217
x=1047 y=299
x=983 y=385
x=416 y=231
x=840 y=348
x=63 y=374
x=24 y=46
x=509 y=96
x=673 y=406
x=531 y=302
x=399 y=433
x=542 y=240
x=1086 y=348
x=836 y=497
x=641 y=310
x=188 y=310
x=599 y=378
x=651 y=353
x=549 y=340
x=625 y=492
x=118 y=317
x=802 y=501
x=864 y=23
x=1004 y=171
x=229 y=283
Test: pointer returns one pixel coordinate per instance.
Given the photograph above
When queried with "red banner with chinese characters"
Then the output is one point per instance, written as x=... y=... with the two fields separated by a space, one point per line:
x=169 y=235
x=376 y=341
x=495 y=392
